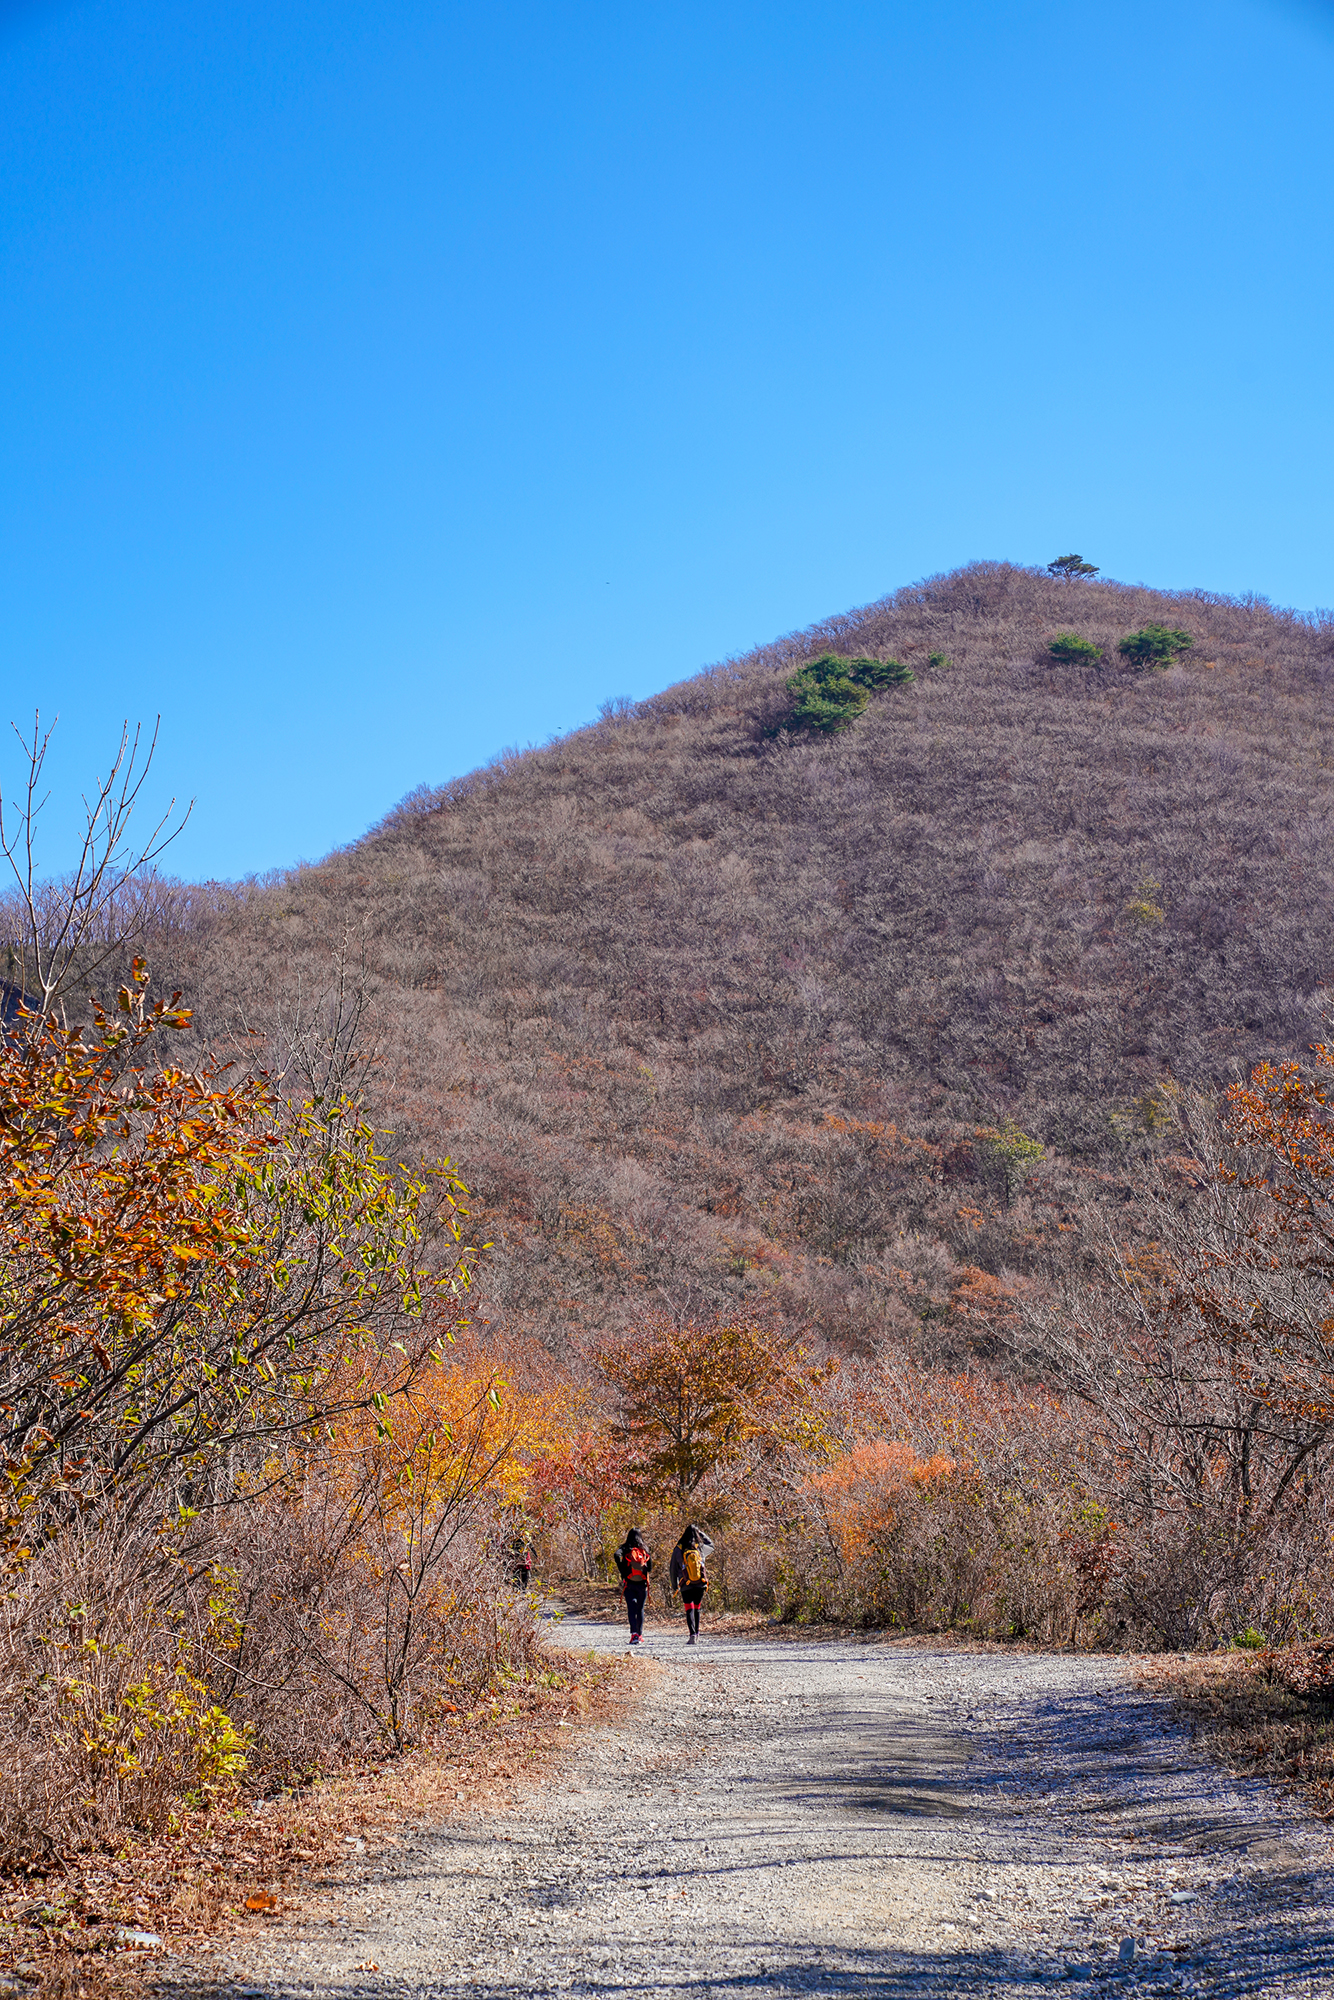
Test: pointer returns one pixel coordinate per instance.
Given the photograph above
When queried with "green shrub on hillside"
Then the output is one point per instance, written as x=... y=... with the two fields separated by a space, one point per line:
x=825 y=700
x=1074 y=651
x=831 y=692
x=878 y=674
x=1154 y=646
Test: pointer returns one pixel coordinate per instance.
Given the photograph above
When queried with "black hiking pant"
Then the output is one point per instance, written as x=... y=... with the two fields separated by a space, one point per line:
x=692 y=1596
x=635 y=1593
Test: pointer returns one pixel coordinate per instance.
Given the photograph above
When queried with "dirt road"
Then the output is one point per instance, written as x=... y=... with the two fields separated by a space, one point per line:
x=844 y=1818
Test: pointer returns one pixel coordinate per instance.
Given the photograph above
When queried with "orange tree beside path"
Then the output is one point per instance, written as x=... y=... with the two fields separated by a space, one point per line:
x=704 y=1401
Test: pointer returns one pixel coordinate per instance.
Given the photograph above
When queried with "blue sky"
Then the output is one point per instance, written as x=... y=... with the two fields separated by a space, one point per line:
x=383 y=383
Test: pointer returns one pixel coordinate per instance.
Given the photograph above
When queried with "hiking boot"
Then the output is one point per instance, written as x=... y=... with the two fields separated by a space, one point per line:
x=691 y=1640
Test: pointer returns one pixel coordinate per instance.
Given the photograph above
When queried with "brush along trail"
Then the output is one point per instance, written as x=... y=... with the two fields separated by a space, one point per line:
x=838 y=1816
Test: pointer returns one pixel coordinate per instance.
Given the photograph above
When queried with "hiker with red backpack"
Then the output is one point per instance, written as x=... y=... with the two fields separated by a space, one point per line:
x=689 y=1575
x=635 y=1565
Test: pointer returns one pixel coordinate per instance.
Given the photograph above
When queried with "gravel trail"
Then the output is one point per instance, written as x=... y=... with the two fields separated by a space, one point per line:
x=837 y=1817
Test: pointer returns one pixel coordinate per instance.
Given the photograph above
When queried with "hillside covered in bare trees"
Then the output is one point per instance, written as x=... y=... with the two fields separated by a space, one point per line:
x=703 y=1005
x=866 y=1073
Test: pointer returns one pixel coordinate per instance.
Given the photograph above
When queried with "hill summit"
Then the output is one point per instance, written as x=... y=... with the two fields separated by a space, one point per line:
x=706 y=1001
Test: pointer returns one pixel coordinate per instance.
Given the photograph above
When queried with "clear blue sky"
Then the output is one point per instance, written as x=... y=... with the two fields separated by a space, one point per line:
x=387 y=381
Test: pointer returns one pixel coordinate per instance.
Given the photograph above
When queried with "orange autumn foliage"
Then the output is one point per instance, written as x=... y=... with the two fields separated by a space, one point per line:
x=469 y=1423
x=859 y=1496
x=699 y=1402
x=189 y=1264
x=118 y=1207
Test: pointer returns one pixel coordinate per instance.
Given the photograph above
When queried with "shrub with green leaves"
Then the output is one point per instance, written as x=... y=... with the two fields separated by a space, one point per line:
x=1074 y=651
x=1009 y=1149
x=1154 y=646
x=876 y=674
x=826 y=702
x=831 y=692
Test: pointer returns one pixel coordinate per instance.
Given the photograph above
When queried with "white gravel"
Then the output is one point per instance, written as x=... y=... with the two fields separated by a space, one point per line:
x=842 y=1817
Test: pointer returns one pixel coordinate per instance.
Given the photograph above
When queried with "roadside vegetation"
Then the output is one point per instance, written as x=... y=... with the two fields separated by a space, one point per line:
x=256 y=1452
x=1149 y=1468
x=1263 y=1713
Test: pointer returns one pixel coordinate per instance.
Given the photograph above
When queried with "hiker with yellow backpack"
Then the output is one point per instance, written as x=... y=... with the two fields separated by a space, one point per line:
x=689 y=1575
x=635 y=1565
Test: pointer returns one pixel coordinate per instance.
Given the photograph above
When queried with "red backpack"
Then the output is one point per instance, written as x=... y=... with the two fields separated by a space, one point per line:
x=636 y=1565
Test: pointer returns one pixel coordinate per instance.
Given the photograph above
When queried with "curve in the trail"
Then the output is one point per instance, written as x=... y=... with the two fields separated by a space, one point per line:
x=844 y=1817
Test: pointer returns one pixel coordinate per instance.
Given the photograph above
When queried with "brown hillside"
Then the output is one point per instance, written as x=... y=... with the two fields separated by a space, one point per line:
x=702 y=1006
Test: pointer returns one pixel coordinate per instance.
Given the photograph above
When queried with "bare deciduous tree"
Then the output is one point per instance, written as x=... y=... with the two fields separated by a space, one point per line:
x=70 y=926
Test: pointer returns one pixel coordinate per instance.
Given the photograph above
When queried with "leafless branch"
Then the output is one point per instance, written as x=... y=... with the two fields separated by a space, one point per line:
x=72 y=925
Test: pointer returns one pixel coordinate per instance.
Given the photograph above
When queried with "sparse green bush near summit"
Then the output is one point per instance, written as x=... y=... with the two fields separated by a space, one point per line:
x=877 y=674
x=1154 y=646
x=831 y=692
x=1072 y=569
x=827 y=697
x=1074 y=651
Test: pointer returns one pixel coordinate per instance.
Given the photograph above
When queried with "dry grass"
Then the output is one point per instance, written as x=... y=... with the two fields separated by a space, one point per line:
x=1268 y=1714
x=219 y=1876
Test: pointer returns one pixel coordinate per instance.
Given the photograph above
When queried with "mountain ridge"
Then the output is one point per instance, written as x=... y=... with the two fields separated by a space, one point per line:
x=702 y=1006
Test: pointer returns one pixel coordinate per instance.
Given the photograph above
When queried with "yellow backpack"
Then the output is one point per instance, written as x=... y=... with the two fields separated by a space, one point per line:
x=693 y=1563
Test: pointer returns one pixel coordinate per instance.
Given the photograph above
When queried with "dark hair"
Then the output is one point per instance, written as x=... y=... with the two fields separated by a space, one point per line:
x=634 y=1540
x=690 y=1539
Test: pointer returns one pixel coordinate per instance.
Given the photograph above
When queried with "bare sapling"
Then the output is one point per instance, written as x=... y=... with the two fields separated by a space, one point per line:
x=69 y=927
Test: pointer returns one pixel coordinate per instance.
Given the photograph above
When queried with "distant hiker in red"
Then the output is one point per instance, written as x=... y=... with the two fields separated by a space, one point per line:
x=521 y=1560
x=689 y=1575
x=635 y=1565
